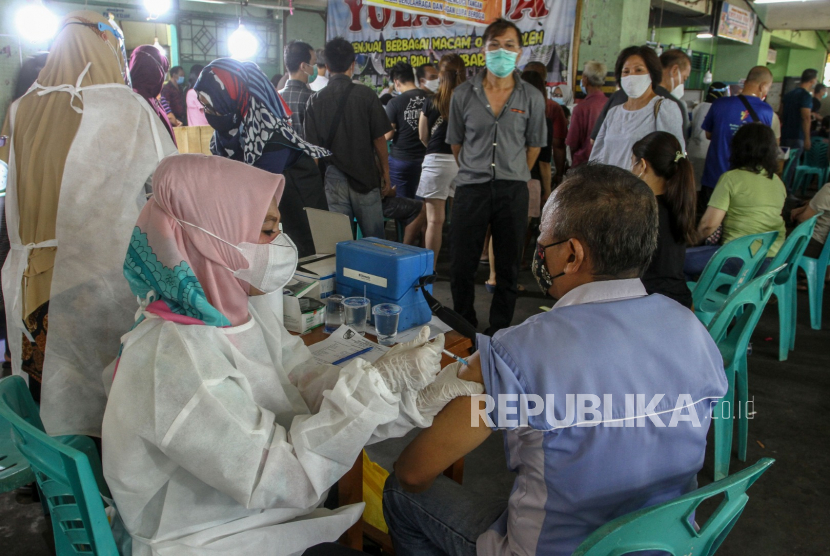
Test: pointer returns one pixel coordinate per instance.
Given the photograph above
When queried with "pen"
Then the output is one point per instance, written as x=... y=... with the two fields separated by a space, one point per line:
x=352 y=356
x=457 y=358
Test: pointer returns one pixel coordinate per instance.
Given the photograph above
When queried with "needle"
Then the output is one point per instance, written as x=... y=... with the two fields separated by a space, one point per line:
x=457 y=358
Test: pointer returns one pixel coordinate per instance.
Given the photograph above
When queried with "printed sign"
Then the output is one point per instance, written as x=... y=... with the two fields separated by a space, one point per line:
x=736 y=24
x=382 y=36
x=475 y=12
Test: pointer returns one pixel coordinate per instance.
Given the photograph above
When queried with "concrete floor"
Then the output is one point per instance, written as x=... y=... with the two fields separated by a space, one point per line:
x=788 y=506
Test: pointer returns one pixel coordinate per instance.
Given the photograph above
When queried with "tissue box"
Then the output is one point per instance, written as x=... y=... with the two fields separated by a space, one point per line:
x=322 y=271
x=302 y=308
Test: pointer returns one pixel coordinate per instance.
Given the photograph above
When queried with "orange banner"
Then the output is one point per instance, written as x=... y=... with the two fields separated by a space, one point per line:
x=473 y=12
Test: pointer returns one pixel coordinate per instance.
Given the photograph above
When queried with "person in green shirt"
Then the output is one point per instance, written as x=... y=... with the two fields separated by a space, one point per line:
x=748 y=199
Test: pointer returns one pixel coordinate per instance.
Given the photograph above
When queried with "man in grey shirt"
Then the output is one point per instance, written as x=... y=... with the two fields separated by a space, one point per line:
x=496 y=129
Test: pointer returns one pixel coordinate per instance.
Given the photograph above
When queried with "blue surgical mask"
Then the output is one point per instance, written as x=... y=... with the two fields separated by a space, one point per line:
x=501 y=62
x=180 y=79
x=559 y=100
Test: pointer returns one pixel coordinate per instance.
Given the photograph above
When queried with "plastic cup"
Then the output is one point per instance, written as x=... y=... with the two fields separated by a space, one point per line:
x=386 y=322
x=334 y=313
x=356 y=312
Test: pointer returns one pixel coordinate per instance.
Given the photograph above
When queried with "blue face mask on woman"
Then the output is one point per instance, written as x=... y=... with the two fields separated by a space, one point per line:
x=180 y=80
x=500 y=62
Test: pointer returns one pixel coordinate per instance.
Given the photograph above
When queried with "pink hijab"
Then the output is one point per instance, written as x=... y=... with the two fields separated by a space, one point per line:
x=148 y=66
x=185 y=266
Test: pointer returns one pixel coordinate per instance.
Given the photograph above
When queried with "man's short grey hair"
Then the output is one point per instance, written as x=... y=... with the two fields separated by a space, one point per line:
x=594 y=73
x=612 y=212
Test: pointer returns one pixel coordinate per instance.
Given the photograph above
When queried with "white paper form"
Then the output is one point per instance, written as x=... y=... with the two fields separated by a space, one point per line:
x=436 y=326
x=344 y=342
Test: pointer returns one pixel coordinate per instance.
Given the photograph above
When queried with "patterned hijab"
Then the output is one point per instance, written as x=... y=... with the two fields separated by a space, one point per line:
x=148 y=66
x=240 y=90
x=186 y=267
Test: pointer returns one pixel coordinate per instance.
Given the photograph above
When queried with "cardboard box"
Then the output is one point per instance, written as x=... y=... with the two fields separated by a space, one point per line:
x=193 y=139
x=323 y=271
x=327 y=230
x=296 y=318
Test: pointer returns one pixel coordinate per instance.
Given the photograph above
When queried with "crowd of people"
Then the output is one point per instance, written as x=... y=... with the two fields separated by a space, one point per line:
x=220 y=432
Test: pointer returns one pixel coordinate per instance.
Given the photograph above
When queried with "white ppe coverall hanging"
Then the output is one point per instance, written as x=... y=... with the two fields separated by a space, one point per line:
x=117 y=147
x=226 y=440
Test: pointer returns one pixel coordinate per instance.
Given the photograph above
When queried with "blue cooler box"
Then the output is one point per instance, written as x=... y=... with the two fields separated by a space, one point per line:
x=390 y=272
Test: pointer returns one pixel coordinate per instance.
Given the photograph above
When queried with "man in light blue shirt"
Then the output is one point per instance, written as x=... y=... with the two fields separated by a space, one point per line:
x=604 y=400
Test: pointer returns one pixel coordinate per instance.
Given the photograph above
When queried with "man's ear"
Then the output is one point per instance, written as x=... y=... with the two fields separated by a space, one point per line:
x=576 y=256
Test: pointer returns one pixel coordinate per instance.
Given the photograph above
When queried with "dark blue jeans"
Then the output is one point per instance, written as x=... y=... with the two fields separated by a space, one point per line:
x=444 y=520
x=405 y=176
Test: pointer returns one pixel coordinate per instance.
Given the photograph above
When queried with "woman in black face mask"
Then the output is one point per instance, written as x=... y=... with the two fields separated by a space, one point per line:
x=251 y=125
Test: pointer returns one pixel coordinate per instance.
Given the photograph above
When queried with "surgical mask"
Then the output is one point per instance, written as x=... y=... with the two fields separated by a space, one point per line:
x=222 y=123
x=270 y=265
x=636 y=86
x=432 y=85
x=180 y=79
x=540 y=271
x=313 y=75
x=500 y=62
x=559 y=100
x=678 y=91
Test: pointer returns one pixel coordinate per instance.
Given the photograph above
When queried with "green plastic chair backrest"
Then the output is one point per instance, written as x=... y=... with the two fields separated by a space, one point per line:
x=790 y=253
x=666 y=526
x=816 y=157
x=751 y=249
x=824 y=256
x=64 y=475
x=746 y=303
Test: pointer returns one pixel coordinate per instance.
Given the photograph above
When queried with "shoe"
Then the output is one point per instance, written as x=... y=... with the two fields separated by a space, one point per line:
x=491 y=288
x=484 y=262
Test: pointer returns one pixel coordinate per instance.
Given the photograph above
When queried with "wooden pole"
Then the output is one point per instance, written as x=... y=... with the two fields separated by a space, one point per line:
x=575 y=43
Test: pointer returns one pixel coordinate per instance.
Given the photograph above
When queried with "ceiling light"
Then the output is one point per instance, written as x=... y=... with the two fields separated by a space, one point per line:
x=157 y=7
x=35 y=23
x=242 y=44
x=706 y=35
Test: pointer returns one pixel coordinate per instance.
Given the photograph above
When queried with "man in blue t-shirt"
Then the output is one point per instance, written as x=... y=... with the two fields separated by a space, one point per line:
x=727 y=115
x=796 y=108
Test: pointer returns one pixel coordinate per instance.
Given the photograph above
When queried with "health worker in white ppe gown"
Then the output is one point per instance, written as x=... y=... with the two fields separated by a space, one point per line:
x=221 y=434
x=83 y=147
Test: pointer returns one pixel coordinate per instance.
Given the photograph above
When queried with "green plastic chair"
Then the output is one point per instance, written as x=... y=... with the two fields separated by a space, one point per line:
x=399 y=228
x=69 y=478
x=785 y=283
x=743 y=308
x=791 y=161
x=815 y=163
x=14 y=469
x=666 y=526
x=709 y=293
x=816 y=269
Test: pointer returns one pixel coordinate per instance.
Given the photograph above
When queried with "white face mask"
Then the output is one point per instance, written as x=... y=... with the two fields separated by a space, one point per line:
x=635 y=86
x=270 y=265
x=678 y=91
x=432 y=85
